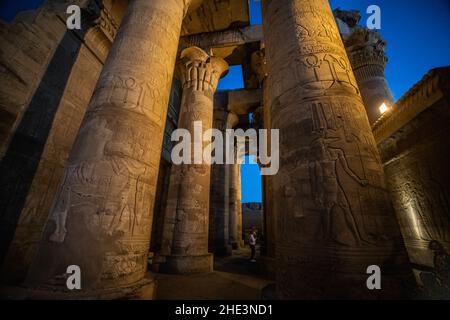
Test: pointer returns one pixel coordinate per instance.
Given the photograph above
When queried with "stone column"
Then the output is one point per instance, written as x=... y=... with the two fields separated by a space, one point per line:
x=232 y=170
x=334 y=217
x=219 y=210
x=366 y=51
x=259 y=67
x=240 y=239
x=101 y=219
x=200 y=74
x=235 y=204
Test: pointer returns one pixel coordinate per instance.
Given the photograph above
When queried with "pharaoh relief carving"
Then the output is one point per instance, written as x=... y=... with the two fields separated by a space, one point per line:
x=89 y=186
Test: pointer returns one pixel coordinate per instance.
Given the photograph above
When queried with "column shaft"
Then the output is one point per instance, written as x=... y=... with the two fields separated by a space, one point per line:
x=334 y=217
x=240 y=239
x=366 y=52
x=219 y=211
x=189 y=249
x=101 y=218
x=233 y=205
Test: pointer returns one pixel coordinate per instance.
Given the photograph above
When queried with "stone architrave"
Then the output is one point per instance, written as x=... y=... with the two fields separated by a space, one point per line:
x=334 y=217
x=101 y=219
x=188 y=231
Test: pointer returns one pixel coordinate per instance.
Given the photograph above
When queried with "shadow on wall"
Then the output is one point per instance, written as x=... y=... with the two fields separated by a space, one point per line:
x=18 y=166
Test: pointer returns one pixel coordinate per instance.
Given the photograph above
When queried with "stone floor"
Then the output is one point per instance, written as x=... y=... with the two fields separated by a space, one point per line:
x=234 y=278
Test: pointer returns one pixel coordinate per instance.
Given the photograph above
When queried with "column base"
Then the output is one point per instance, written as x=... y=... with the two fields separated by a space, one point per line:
x=141 y=290
x=187 y=264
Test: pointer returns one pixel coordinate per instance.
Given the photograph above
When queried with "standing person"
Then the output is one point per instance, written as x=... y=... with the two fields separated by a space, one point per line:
x=252 y=242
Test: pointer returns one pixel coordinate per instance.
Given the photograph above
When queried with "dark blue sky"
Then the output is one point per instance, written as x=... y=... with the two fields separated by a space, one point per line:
x=417 y=32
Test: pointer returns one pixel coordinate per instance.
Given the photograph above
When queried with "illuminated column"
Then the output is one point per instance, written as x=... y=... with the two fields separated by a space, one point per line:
x=101 y=219
x=366 y=51
x=239 y=222
x=189 y=204
x=235 y=204
x=219 y=211
x=334 y=217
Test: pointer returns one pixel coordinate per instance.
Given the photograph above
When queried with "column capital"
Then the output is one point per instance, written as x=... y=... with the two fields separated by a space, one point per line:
x=232 y=120
x=200 y=71
x=365 y=47
x=259 y=64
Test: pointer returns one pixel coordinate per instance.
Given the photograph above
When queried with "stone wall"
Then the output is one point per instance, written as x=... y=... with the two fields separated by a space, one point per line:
x=414 y=146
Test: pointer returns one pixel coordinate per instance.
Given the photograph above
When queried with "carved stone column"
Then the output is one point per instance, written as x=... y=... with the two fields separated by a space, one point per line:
x=240 y=239
x=259 y=67
x=101 y=218
x=219 y=210
x=232 y=173
x=190 y=201
x=334 y=217
x=234 y=204
x=366 y=51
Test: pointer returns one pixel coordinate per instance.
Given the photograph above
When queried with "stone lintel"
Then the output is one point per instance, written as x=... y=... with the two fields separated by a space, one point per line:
x=244 y=101
x=212 y=15
x=423 y=95
x=227 y=38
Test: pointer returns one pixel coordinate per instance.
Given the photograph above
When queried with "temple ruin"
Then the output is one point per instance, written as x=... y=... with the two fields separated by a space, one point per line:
x=86 y=176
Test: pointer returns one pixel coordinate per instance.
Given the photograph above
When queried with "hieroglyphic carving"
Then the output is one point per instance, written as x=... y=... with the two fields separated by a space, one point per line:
x=328 y=160
x=109 y=184
x=189 y=193
x=130 y=94
x=423 y=198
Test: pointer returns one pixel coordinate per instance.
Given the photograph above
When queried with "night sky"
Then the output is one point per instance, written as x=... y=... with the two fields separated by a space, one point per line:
x=417 y=33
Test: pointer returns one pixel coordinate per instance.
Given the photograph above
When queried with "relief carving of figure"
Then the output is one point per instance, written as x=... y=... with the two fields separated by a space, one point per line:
x=80 y=174
x=338 y=221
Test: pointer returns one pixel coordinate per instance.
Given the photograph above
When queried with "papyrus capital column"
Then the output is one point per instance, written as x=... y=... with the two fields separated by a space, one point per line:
x=366 y=51
x=101 y=219
x=200 y=75
x=334 y=217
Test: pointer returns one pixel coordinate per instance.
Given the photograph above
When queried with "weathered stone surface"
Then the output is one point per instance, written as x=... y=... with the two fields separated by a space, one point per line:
x=105 y=202
x=242 y=102
x=233 y=204
x=239 y=218
x=219 y=201
x=188 y=212
x=231 y=44
x=333 y=215
x=414 y=146
x=213 y=15
x=366 y=51
x=232 y=171
x=66 y=102
x=325 y=217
